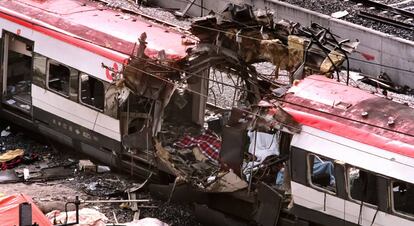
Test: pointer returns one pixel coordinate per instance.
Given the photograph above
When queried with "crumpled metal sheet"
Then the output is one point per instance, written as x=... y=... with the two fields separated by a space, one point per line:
x=334 y=58
x=230 y=182
x=283 y=44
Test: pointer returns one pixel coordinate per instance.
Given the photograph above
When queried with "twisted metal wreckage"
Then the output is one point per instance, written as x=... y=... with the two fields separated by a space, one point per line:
x=168 y=98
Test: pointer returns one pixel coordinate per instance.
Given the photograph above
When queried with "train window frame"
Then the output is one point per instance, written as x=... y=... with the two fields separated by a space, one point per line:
x=309 y=175
x=348 y=182
x=80 y=92
x=40 y=70
x=48 y=77
x=393 y=210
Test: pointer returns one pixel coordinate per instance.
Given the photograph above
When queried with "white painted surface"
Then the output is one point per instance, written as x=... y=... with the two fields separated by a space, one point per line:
x=314 y=199
x=76 y=113
x=63 y=52
x=387 y=49
x=361 y=155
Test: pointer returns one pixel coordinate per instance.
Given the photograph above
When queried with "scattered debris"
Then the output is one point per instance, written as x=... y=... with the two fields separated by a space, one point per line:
x=339 y=14
x=6 y=132
x=26 y=174
x=103 y=169
x=10 y=155
x=87 y=165
x=147 y=222
x=87 y=217
x=8 y=176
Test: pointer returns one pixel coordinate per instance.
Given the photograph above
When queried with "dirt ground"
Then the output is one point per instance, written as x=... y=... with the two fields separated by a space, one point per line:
x=53 y=194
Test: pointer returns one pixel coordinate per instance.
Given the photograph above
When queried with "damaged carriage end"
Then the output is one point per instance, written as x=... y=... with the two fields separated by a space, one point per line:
x=151 y=85
x=163 y=117
x=255 y=37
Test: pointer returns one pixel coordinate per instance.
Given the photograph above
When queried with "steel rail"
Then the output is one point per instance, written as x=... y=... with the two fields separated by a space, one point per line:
x=385 y=7
x=386 y=20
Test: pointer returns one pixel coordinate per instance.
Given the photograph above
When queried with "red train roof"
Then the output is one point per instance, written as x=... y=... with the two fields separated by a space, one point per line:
x=88 y=24
x=325 y=104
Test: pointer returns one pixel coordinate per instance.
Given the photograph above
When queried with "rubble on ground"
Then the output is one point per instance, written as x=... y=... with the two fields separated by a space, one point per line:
x=52 y=192
x=217 y=152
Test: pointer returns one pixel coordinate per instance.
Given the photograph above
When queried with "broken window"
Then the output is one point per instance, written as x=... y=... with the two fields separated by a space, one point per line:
x=39 y=69
x=18 y=62
x=58 y=77
x=403 y=197
x=321 y=172
x=92 y=91
x=363 y=185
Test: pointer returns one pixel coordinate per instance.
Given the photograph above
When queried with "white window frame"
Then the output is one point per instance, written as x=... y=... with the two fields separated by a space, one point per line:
x=80 y=92
x=48 y=77
x=393 y=210
x=348 y=181
x=309 y=175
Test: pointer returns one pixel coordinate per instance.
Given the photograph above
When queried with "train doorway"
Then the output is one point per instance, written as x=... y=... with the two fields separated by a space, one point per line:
x=17 y=74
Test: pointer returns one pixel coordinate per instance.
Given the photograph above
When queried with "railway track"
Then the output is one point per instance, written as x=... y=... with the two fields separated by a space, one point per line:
x=392 y=17
x=397 y=13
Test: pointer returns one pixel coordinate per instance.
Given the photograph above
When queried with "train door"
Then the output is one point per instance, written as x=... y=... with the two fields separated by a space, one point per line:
x=17 y=74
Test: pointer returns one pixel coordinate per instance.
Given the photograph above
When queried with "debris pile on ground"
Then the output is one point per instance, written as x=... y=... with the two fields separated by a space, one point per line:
x=87 y=216
x=55 y=179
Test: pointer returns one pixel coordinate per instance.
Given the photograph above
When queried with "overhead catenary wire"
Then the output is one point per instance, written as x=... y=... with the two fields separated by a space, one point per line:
x=284 y=101
x=223 y=31
x=296 y=48
x=243 y=36
x=249 y=90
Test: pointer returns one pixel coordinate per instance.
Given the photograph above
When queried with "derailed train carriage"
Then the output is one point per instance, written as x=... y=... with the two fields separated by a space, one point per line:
x=89 y=77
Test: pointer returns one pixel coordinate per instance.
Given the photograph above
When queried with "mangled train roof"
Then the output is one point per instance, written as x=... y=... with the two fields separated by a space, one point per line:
x=346 y=111
x=91 y=26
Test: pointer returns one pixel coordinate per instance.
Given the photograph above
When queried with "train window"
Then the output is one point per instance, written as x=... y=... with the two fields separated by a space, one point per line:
x=92 y=91
x=321 y=172
x=403 y=197
x=58 y=79
x=363 y=185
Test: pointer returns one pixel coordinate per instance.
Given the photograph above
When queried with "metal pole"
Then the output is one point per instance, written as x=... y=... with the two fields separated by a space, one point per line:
x=115 y=201
x=252 y=166
x=202 y=8
x=25 y=214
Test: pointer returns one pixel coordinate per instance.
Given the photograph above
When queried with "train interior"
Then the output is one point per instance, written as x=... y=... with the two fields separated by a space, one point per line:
x=18 y=62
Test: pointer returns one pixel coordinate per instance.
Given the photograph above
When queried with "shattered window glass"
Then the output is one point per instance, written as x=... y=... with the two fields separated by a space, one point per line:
x=363 y=185
x=39 y=69
x=92 y=91
x=58 y=79
x=403 y=197
x=321 y=172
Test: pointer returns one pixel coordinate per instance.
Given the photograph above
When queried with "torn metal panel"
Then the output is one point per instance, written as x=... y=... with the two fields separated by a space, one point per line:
x=208 y=216
x=234 y=142
x=229 y=182
x=273 y=116
x=163 y=157
x=239 y=204
x=182 y=193
x=269 y=205
x=254 y=37
x=8 y=176
x=150 y=78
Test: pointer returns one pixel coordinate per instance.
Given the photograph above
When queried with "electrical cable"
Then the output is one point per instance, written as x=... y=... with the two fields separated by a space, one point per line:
x=307 y=107
x=289 y=102
x=279 y=99
x=368 y=62
x=230 y=33
x=295 y=48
